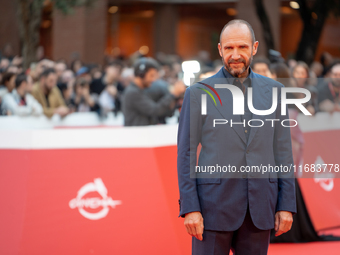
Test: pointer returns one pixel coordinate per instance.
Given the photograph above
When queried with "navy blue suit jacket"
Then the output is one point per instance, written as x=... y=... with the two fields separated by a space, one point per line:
x=223 y=200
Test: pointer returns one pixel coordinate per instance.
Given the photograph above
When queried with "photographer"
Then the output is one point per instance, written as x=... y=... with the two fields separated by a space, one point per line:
x=83 y=100
x=138 y=108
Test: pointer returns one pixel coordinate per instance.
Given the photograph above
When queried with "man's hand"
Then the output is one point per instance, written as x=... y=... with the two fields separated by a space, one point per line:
x=178 y=88
x=194 y=224
x=62 y=111
x=283 y=222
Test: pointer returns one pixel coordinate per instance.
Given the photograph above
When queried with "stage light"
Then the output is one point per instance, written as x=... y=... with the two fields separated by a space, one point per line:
x=294 y=5
x=192 y=66
x=231 y=11
x=189 y=68
x=113 y=9
x=144 y=50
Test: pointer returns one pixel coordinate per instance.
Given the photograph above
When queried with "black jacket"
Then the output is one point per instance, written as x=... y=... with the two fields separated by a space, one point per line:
x=140 y=110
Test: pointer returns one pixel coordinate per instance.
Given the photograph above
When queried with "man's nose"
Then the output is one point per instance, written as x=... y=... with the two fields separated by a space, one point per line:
x=235 y=54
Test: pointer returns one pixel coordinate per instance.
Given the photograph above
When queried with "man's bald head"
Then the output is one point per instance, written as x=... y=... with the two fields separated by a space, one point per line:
x=237 y=47
x=239 y=22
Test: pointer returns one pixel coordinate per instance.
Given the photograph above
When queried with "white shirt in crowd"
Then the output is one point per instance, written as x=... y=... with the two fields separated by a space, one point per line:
x=11 y=101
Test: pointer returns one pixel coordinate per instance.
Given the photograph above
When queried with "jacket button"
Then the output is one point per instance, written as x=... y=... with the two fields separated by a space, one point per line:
x=247 y=151
x=244 y=176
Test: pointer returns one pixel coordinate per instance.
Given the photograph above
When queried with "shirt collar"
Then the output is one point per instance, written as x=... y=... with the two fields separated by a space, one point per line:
x=233 y=80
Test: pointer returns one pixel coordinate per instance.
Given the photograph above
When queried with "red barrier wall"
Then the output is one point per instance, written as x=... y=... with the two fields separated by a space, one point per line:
x=38 y=185
x=121 y=199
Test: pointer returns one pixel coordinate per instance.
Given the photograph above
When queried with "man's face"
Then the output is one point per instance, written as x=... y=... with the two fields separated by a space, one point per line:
x=261 y=68
x=112 y=73
x=60 y=68
x=237 y=50
x=23 y=86
x=50 y=81
x=301 y=75
x=335 y=75
x=13 y=69
x=150 y=77
x=4 y=63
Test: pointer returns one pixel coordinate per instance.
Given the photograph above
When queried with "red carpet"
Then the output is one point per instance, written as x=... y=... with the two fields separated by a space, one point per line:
x=314 y=248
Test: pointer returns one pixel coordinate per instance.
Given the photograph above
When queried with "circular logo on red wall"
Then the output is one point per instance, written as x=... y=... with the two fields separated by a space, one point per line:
x=103 y=201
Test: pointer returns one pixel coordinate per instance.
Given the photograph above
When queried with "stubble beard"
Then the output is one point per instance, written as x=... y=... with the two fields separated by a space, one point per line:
x=238 y=73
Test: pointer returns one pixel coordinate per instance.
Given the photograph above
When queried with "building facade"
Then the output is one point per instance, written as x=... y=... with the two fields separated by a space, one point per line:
x=183 y=27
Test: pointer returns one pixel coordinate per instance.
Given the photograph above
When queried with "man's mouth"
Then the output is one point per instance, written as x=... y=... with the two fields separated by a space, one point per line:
x=236 y=63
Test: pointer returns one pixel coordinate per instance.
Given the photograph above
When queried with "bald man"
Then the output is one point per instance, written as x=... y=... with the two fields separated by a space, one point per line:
x=226 y=210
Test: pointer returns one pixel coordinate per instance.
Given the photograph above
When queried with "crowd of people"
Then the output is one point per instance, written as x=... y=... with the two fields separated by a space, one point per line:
x=57 y=87
x=322 y=79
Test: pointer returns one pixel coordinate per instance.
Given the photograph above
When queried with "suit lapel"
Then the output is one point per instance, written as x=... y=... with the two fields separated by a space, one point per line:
x=261 y=101
x=226 y=110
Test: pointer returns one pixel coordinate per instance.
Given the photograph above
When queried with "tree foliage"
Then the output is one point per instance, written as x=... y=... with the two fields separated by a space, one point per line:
x=313 y=15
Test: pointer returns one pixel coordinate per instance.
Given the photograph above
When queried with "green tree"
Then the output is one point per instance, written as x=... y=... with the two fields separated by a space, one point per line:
x=29 y=17
x=313 y=15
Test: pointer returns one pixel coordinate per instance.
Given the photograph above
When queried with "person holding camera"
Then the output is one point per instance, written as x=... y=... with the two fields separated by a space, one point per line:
x=138 y=108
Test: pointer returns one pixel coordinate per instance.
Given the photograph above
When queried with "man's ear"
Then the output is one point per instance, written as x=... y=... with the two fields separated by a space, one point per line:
x=219 y=49
x=255 y=47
